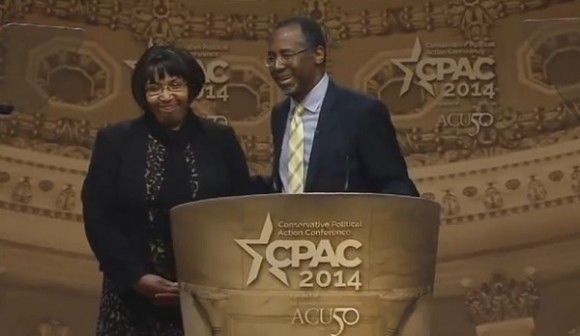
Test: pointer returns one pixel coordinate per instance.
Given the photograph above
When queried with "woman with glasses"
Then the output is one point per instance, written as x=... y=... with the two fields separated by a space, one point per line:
x=139 y=170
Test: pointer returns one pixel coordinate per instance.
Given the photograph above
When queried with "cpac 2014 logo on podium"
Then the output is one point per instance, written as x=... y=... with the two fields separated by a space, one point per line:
x=282 y=254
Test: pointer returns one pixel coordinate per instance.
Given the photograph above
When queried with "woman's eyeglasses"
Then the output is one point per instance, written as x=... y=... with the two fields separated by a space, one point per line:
x=173 y=86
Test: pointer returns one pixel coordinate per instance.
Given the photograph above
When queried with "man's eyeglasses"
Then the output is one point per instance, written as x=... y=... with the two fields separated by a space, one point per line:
x=155 y=89
x=284 y=58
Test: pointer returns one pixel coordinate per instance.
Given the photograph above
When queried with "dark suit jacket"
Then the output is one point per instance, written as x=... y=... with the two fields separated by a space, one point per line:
x=113 y=194
x=355 y=147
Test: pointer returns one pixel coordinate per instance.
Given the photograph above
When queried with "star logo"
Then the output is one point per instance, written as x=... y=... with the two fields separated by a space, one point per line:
x=257 y=259
x=409 y=73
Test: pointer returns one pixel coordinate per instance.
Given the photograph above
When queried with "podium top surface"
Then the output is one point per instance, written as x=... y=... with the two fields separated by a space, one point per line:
x=312 y=197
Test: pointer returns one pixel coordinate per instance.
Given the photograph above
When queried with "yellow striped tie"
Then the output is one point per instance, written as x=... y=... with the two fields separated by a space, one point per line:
x=296 y=155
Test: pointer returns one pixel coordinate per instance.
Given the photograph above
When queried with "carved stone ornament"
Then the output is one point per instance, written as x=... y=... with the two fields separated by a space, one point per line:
x=502 y=299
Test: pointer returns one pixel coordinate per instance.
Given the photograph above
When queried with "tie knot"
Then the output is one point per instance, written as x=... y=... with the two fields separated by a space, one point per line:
x=299 y=109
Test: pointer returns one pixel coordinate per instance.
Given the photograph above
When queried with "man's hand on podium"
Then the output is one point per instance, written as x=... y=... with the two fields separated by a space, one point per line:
x=160 y=290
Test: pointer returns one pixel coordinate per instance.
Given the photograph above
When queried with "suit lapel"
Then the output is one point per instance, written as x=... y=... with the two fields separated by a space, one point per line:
x=135 y=158
x=322 y=134
x=280 y=116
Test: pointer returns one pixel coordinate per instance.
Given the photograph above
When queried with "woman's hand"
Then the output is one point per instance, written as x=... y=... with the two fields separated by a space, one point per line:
x=158 y=289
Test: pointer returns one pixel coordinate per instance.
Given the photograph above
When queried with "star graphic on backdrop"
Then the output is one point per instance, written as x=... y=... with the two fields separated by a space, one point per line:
x=409 y=73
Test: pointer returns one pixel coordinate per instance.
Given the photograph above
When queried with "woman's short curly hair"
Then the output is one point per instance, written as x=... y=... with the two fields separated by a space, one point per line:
x=159 y=60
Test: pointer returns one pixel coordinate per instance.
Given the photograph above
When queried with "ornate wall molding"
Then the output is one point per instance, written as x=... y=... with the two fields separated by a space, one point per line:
x=54 y=70
x=468 y=191
x=72 y=138
x=42 y=185
x=513 y=184
x=173 y=20
x=4 y=178
x=502 y=299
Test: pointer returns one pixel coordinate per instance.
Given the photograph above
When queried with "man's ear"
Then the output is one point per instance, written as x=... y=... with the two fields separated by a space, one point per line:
x=319 y=55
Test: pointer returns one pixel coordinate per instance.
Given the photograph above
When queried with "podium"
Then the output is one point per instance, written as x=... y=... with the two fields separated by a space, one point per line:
x=313 y=264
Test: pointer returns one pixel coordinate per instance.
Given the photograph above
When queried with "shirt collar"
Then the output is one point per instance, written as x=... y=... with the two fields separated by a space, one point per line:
x=313 y=100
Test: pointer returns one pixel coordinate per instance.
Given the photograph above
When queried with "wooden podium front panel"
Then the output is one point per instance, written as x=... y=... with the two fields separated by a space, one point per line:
x=312 y=264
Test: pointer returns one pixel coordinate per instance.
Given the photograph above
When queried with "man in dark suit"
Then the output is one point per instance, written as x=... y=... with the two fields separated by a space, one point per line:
x=327 y=138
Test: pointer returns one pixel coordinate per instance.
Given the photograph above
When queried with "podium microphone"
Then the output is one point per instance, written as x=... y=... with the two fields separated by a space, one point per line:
x=6 y=109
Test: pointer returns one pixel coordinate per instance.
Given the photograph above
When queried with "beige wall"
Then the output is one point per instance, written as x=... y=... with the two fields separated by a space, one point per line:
x=23 y=309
